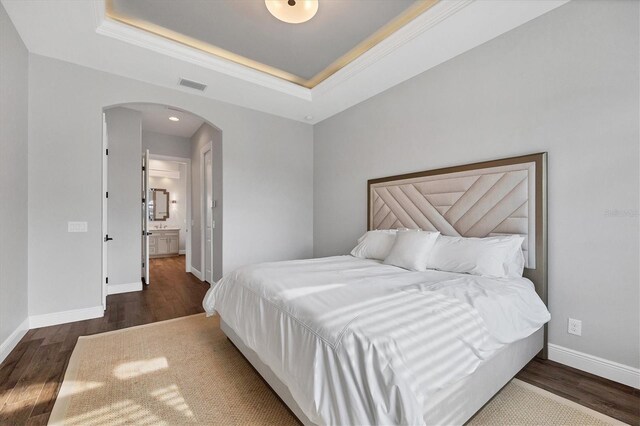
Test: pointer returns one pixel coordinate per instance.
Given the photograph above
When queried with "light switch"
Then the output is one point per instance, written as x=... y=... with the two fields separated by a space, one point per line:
x=76 y=226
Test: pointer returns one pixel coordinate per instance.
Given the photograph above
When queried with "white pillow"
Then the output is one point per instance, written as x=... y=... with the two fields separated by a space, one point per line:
x=411 y=250
x=375 y=244
x=497 y=257
x=515 y=265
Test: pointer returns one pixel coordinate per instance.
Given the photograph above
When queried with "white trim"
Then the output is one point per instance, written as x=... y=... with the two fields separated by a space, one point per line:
x=144 y=220
x=169 y=174
x=446 y=30
x=55 y=318
x=142 y=38
x=14 y=338
x=611 y=370
x=422 y=23
x=196 y=273
x=189 y=215
x=203 y=211
x=124 y=288
x=105 y=223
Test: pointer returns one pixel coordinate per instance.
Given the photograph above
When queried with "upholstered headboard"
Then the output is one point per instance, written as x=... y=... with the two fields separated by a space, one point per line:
x=507 y=196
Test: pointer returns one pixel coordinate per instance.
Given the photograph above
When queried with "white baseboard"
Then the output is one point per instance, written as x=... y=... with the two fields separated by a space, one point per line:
x=197 y=273
x=182 y=252
x=54 y=318
x=12 y=341
x=123 y=288
x=611 y=370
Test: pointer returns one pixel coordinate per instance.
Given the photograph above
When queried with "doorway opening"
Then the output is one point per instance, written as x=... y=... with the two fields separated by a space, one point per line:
x=162 y=204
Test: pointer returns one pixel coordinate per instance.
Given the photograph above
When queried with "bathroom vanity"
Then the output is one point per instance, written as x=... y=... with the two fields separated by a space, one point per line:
x=164 y=242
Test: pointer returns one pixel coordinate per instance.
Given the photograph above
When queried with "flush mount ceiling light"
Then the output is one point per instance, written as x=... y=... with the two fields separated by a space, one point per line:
x=292 y=11
x=172 y=118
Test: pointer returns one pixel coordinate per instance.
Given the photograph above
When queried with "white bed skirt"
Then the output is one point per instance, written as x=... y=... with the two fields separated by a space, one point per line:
x=453 y=405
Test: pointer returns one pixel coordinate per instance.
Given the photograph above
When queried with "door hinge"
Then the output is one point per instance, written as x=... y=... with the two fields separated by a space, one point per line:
x=143 y=169
x=106 y=151
x=107 y=280
x=143 y=264
x=107 y=194
x=144 y=200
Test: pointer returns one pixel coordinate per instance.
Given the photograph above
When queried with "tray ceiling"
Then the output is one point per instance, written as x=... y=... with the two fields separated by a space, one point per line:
x=245 y=32
x=79 y=32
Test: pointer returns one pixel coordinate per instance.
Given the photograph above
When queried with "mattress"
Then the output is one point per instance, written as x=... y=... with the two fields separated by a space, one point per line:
x=359 y=342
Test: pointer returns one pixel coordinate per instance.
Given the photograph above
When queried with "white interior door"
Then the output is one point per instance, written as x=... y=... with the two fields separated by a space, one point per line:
x=208 y=217
x=105 y=199
x=146 y=194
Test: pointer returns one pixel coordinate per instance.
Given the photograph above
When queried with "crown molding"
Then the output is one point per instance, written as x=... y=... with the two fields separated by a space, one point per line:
x=141 y=38
x=432 y=17
x=81 y=33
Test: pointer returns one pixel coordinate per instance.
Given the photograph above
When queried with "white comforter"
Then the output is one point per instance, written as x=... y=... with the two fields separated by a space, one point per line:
x=359 y=342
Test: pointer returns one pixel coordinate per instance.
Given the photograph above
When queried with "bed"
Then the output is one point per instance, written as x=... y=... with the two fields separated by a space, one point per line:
x=344 y=340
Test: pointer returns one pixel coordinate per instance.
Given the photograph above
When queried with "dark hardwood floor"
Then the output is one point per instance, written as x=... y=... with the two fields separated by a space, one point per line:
x=31 y=375
x=610 y=398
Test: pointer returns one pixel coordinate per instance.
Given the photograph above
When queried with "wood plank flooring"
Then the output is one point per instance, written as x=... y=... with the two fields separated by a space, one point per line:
x=31 y=375
x=610 y=398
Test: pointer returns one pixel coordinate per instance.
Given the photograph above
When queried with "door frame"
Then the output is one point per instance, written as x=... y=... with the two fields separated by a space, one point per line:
x=145 y=216
x=105 y=198
x=189 y=215
x=207 y=147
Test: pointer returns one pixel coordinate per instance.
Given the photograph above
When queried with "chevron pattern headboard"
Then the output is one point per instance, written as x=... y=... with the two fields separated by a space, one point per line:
x=498 y=197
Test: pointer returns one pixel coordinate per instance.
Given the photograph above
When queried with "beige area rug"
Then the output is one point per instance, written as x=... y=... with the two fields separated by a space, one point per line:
x=185 y=371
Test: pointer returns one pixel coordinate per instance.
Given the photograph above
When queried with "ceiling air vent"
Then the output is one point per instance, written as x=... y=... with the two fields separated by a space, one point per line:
x=192 y=84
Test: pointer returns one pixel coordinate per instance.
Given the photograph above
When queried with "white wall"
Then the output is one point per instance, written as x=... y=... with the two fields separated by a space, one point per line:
x=267 y=175
x=177 y=189
x=13 y=184
x=566 y=83
x=124 y=130
x=161 y=144
x=200 y=138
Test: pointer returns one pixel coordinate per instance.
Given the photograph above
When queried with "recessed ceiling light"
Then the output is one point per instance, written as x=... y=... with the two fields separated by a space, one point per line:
x=172 y=118
x=292 y=11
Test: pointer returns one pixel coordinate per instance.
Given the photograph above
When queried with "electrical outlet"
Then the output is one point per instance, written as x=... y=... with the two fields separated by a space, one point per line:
x=575 y=327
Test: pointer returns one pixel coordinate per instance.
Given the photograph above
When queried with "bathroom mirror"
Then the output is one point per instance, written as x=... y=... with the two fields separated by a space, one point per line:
x=159 y=206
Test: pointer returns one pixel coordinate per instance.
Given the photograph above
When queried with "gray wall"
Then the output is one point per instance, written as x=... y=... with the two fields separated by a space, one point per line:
x=566 y=83
x=161 y=144
x=14 y=64
x=199 y=139
x=124 y=132
x=267 y=175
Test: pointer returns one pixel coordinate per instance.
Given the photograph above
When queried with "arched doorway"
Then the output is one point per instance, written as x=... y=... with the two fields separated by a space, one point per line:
x=178 y=150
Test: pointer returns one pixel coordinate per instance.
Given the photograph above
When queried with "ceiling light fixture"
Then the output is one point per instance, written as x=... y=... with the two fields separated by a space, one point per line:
x=172 y=118
x=292 y=11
